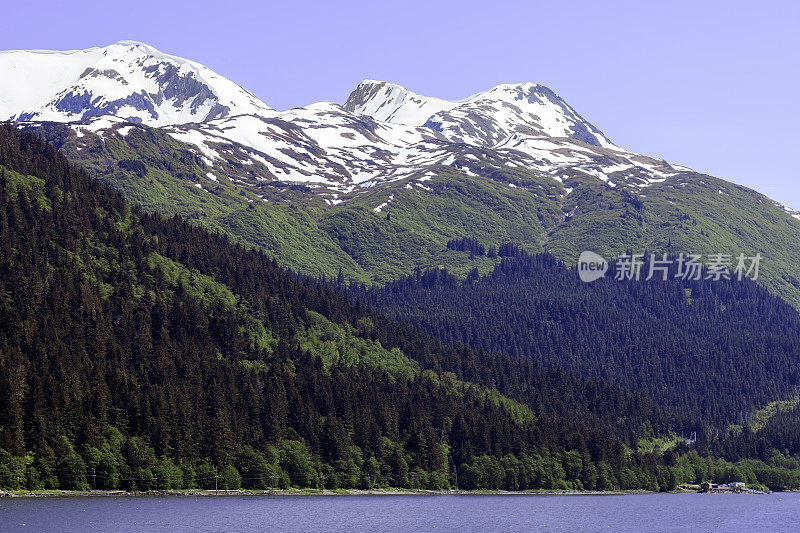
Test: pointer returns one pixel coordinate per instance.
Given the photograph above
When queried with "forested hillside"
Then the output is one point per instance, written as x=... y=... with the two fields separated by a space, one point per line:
x=139 y=352
x=712 y=351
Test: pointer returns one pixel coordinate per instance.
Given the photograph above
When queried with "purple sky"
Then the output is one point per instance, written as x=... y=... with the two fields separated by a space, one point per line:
x=712 y=86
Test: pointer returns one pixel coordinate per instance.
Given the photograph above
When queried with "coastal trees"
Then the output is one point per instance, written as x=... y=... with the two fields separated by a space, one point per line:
x=71 y=468
x=296 y=460
x=256 y=472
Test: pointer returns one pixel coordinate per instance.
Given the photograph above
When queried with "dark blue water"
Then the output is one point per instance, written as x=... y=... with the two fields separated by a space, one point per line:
x=648 y=512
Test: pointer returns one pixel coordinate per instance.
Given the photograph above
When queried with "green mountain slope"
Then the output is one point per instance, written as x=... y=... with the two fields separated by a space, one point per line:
x=390 y=229
x=711 y=350
x=695 y=214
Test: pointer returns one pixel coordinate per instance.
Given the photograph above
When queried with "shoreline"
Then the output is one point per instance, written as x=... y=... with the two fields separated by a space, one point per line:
x=315 y=492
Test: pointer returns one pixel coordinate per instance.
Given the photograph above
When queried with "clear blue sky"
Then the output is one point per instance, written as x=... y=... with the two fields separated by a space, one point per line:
x=711 y=85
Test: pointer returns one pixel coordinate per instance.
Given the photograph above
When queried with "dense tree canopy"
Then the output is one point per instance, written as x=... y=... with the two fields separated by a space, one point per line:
x=710 y=351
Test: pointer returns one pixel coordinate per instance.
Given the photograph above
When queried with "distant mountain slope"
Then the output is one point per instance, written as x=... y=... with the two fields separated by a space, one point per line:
x=389 y=102
x=336 y=150
x=388 y=229
x=711 y=350
x=375 y=188
x=128 y=79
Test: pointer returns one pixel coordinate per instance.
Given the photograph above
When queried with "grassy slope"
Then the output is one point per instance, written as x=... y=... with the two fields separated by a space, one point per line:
x=694 y=218
x=414 y=228
x=336 y=343
x=305 y=234
x=168 y=186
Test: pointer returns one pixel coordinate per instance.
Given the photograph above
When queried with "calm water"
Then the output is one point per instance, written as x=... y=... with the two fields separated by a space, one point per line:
x=656 y=512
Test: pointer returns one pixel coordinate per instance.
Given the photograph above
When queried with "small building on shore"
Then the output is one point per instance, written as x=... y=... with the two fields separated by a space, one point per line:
x=710 y=486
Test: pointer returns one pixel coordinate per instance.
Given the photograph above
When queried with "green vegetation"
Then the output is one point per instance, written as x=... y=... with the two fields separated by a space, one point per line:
x=159 y=173
x=340 y=344
x=31 y=185
x=762 y=416
x=199 y=286
x=413 y=230
x=298 y=229
x=657 y=444
x=687 y=214
x=738 y=342
x=129 y=464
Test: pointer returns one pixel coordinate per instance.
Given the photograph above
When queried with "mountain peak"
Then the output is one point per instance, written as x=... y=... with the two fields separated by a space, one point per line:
x=128 y=79
x=390 y=102
x=132 y=43
x=486 y=118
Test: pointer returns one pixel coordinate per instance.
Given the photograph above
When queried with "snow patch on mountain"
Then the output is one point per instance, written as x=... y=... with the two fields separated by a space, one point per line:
x=792 y=212
x=389 y=102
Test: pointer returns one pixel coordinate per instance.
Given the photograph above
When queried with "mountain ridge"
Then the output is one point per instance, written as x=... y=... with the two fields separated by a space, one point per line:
x=340 y=148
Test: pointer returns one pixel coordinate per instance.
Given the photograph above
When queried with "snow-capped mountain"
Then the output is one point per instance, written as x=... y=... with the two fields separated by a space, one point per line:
x=383 y=133
x=320 y=144
x=390 y=102
x=326 y=147
x=336 y=152
x=485 y=119
x=128 y=79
